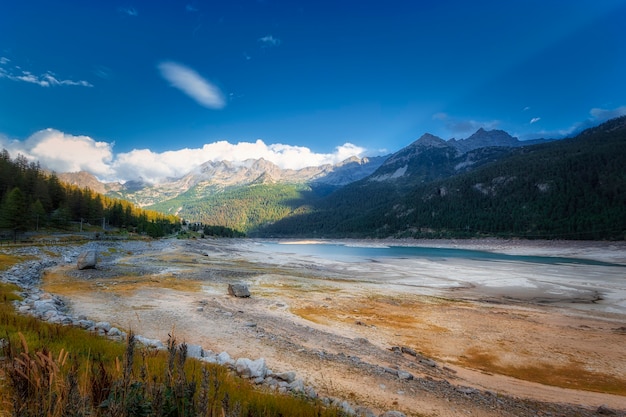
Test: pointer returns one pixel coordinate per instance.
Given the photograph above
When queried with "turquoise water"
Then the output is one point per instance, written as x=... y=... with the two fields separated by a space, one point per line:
x=350 y=253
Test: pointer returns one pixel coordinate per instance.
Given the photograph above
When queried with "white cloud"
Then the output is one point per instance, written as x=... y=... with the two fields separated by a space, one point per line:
x=534 y=120
x=63 y=152
x=47 y=79
x=602 y=115
x=269 y=40
x=192 y=84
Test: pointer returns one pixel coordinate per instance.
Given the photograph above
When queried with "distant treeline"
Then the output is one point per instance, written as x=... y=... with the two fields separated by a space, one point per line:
x=33 y=199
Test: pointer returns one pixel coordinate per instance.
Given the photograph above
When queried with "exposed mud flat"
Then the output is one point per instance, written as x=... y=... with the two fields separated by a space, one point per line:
x=484 y=337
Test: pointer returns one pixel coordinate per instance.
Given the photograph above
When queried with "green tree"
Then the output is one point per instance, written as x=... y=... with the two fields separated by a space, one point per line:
x=13 y=215
x=38 y=214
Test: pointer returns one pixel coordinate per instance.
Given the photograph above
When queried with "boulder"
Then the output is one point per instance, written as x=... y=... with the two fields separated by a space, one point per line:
x=150 y=343
x=224 y=358
x=87 y=260
x=238 y=290
x=288 y=377
x=393 y=414
x=251 y=369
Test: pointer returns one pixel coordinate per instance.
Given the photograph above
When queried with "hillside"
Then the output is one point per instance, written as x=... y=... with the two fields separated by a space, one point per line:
x=569 y=189
x=34 y=200
x=243 y=208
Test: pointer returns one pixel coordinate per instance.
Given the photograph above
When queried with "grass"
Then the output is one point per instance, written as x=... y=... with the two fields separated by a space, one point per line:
x=7 y=261
x=62 y=283
x=52 y=370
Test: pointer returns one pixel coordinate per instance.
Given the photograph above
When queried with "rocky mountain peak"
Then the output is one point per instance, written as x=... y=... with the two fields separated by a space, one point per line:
x=428 y=140
x=483 y=139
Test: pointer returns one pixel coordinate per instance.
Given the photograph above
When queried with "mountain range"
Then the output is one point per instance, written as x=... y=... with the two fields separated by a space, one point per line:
x=430 y=188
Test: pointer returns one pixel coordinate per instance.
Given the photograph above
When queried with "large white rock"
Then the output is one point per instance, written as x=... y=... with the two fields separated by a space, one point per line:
x=87 y=260
x=248 y=368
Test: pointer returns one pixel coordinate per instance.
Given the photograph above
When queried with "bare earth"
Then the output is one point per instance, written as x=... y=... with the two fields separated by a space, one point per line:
x=506 y=337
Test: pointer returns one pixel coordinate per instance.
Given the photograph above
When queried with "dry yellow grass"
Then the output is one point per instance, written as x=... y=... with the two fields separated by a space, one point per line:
x=59 y=282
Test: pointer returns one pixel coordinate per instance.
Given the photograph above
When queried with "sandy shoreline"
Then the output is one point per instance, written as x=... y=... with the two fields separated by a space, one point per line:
x=495 y=326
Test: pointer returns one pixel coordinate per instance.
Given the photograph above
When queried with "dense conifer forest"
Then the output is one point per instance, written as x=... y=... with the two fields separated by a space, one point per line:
x=568 y=189
x=34 y=200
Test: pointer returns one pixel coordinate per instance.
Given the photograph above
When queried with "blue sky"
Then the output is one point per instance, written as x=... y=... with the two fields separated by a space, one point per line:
x=164 y=85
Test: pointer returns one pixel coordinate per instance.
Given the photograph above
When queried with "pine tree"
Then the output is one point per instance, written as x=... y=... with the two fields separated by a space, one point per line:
x=13 y=214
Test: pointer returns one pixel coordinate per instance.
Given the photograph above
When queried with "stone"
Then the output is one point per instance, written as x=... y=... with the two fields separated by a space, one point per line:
x=114 y=331
x=103 y=325
x=408 y=351
x=150 y=343
x=248 y=368
x=428 y=362
x=405 y=375
x=296 y=386
x=392 y=413
x=364 y=412
x=606 y=411
x=87 y=260
x=288 y=377
x=239 y=290
x=43 y=306
x=224 y=358
x=86 y=324
x=195 y=351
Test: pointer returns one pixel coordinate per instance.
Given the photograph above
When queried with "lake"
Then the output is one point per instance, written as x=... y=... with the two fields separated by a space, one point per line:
x=357 y=253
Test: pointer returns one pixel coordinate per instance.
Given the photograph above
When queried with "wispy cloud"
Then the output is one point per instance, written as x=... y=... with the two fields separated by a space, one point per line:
x=64 y=152
x=534 y=120
x=606 y=114
x=102 y=72
x=47 y=79
x=191 y=83
x=597 y=116
x=128 y=11
x=458 y=127
x=191 y=8
x=269 y=41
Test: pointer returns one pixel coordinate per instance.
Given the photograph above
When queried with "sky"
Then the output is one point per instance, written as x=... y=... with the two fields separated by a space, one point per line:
x=151 y=89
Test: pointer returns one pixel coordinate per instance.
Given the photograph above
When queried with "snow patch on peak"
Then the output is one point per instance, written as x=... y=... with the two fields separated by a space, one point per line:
x=400 y=172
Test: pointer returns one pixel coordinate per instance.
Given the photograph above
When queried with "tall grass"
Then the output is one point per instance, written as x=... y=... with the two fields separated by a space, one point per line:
x=52 y=370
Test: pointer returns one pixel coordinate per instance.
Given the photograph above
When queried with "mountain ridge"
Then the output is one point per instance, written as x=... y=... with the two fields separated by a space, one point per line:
x=570 y=189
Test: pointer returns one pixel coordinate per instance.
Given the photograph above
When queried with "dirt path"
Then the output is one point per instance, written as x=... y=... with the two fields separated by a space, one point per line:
x=335 y=324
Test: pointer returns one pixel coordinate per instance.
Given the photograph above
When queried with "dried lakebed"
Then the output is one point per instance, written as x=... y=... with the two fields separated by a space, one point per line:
x=422 y=335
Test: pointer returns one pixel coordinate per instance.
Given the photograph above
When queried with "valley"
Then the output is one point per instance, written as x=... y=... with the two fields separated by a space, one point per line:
x=425 y=336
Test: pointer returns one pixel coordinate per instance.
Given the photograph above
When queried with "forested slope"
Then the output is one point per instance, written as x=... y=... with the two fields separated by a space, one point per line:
x=33 y=199
x=569 y=189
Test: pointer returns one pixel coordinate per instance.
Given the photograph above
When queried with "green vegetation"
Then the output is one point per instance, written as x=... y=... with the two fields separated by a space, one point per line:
x=568 y=189
x=53 y=370
x=33 y=200
x=242 y=208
